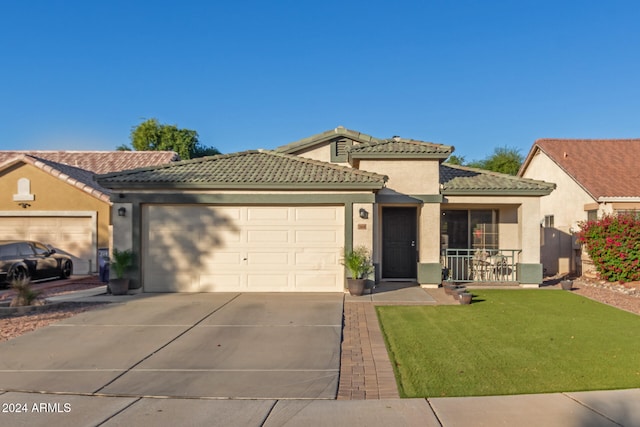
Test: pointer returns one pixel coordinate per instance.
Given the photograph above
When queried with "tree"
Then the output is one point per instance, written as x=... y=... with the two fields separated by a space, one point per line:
x=151 y=135
x=456 y=160
x=503 y=160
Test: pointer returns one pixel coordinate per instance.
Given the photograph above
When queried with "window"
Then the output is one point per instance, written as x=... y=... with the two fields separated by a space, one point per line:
x=40 y=249
x=470 y=229
x=548 y=221
x=25 y=249
x=592 y=215
x=633 y=212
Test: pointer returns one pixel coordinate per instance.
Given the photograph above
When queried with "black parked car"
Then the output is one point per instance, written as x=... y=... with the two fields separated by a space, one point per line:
x=22 y=259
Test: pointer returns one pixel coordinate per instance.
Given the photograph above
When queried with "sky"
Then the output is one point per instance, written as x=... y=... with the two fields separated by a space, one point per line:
x=478 y=75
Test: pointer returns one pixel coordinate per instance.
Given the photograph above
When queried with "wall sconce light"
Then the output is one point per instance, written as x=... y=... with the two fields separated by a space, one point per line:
x=363 y=213
x=122 y=211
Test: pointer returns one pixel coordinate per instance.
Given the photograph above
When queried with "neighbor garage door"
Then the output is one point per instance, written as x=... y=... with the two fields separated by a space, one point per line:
x=243 y=248
x=69 y=235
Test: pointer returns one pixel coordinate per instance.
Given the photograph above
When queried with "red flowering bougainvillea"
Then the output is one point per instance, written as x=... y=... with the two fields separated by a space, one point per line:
x=613 y=243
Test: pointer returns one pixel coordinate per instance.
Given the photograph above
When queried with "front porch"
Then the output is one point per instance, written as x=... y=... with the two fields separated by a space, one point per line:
x=480 y=265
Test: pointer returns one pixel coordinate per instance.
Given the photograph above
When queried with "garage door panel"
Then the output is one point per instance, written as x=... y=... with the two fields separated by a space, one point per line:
x=268 y=258
x=316 y=259
x=268 y=214
x=220 y=258
x=226 y=237
x=268 y=236
x=314 y=215
x=73 y=236
x=268 y=282
x=312 y=282
x=316 y=236
x=252 y=248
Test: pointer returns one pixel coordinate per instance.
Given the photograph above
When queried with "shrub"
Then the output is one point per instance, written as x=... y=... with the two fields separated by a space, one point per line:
x=24 y=294
x=613 y=243
x=358 y=262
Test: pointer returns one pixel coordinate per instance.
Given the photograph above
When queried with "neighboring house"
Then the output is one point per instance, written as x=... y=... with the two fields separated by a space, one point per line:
x=593 y=177
x=51 y=196
x=279 y=220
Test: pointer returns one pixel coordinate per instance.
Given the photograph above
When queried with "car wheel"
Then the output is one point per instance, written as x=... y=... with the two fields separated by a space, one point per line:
x=18 y=274
x=66 y=270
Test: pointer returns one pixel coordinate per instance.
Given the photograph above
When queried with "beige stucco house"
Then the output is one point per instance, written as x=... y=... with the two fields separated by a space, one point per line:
x=50 y=196
x=279 y=220
x=594 y=177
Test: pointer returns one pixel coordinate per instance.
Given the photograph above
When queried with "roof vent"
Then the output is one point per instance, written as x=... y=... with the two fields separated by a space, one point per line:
x=565 y=155
x=396 y=137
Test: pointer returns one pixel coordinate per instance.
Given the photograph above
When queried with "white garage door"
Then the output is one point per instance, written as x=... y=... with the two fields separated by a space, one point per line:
x=243 y=248
x=68 y=235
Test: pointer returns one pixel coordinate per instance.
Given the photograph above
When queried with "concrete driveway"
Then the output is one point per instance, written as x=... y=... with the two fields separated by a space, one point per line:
x=223 y=345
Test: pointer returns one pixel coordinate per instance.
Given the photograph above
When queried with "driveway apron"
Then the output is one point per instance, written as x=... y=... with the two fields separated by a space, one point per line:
x=217 y=345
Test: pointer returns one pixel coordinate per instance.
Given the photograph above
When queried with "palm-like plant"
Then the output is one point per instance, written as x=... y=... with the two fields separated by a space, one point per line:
x=358 y=262
x=121 y=260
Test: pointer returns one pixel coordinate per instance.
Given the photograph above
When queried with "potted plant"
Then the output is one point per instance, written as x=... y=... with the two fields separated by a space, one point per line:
x=567 y=285
x=466 y=297
x=359 y=266
x=120 y=261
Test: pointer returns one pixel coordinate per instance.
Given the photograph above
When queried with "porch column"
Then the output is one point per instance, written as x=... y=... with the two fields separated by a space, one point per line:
x=529 y=269
x=429 y=268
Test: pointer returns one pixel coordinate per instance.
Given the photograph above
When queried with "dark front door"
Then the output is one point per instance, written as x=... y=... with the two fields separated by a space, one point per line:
x=399 y=243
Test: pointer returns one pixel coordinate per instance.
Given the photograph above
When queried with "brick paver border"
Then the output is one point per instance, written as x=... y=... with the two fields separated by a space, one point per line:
x=365 y=368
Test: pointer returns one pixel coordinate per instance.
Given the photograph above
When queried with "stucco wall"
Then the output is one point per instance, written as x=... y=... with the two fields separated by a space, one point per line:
x=319 y=152
x=363 y=227
x=407 y=176
x=567 y=205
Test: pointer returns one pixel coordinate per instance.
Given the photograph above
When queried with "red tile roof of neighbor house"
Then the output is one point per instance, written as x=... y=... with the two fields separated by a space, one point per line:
x=605 y=168
x=77 y=168
x=99 y=162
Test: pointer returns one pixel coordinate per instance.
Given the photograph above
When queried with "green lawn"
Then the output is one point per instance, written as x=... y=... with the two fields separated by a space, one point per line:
x=512 y=342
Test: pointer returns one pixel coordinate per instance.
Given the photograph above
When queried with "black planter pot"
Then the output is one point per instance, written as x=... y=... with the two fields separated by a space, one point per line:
x=567 y=285
x=119 y=286
x=465 y=298
x=356 y=286
x=457 y=292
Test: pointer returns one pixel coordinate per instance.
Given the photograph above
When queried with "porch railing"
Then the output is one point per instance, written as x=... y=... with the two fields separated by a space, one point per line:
x=480 y=265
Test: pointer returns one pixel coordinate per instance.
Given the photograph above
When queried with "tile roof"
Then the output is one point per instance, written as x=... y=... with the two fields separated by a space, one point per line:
x=99 y=162
x=370 y=146
x=464 y=180
x=78 y=168
x=400 y=147
x=605 y=168
x=249 y=170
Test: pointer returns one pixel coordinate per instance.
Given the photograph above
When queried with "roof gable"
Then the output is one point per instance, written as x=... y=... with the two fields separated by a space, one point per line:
x=461 y=180
x=77 y=168
x=255 y=169
x=325 y=138
x=605 y=168
x=369 y=147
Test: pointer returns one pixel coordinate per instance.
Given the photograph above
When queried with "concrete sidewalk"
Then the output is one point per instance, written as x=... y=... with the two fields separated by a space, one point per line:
x=593 y=409
x=598 y=408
